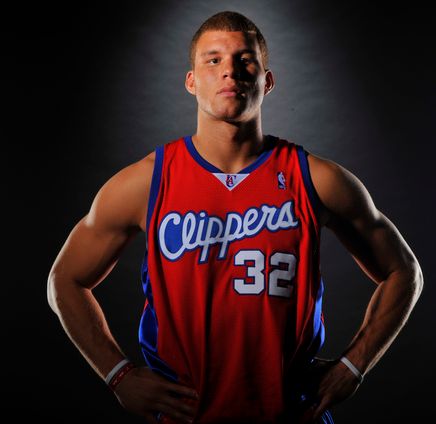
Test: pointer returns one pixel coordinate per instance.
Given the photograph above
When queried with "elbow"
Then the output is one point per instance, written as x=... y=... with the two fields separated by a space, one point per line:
x=52 y=292
x=58 y=291
x=62 y=290
x=419 y=279
x=415 y=280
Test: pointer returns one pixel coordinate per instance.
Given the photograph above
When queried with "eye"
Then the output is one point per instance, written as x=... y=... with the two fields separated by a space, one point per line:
x=213 y=61
x=246 y=60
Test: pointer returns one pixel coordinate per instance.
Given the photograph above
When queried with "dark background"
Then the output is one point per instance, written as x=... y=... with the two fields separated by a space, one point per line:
x=91 y=88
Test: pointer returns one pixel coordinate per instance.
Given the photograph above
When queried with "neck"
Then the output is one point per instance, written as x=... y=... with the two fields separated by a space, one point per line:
x=230 y=146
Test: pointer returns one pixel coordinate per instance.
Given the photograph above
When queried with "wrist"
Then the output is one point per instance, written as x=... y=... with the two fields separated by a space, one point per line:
x=353 y=369
x=118 y=372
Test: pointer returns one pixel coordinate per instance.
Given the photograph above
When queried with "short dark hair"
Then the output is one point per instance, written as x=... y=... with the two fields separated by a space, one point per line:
x=229 y=21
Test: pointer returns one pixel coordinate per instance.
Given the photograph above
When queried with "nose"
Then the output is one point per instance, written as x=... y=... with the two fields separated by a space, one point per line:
x=231 y=69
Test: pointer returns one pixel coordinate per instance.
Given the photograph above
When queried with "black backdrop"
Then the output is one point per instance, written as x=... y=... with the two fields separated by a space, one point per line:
x=91 y=88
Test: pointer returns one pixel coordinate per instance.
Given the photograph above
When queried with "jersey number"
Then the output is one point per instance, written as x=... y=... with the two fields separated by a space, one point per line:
x=279 y=279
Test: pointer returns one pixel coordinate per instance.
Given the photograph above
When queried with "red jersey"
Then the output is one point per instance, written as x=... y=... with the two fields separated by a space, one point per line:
x=231 y=277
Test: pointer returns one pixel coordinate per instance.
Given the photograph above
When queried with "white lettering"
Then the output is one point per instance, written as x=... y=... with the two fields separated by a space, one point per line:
x=178 y=234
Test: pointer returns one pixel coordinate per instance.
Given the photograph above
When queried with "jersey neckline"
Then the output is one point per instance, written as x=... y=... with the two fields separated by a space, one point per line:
x=270 y=143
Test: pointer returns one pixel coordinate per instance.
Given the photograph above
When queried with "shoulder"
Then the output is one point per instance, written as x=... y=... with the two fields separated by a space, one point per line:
x=128 y=180
x=122 y=201
x=340 y=191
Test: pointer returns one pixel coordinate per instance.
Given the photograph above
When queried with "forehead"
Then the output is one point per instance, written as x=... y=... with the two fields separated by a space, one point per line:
x=227 y=41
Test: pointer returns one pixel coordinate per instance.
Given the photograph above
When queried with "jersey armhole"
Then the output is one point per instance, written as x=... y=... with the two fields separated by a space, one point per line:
x=315 y=201
x=155 y=184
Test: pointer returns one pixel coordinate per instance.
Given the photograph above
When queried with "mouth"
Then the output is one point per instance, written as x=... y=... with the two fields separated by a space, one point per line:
x=230 y=91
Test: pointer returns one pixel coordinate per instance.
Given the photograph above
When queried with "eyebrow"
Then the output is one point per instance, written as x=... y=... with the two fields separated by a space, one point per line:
x=209 y=53
x=212 y=52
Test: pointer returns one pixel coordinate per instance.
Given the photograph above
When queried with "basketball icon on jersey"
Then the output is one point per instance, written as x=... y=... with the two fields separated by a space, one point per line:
x=281 y=180
x=230 y=180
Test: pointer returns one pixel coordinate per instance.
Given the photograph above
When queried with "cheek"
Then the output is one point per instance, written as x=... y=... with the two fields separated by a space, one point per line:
x=259 y=88
x=260 y=83
x=204 y=84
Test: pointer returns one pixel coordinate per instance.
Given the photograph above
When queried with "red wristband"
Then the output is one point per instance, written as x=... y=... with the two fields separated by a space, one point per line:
x=116 y=379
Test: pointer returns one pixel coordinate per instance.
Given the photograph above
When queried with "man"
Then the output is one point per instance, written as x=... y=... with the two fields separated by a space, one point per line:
x=232 y=319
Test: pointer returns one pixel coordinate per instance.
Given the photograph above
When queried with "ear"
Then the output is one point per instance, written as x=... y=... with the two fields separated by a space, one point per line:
x=190 y=82
x=269 y=82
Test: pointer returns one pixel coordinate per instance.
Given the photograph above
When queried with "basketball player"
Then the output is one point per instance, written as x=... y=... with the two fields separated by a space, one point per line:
x=232 y=319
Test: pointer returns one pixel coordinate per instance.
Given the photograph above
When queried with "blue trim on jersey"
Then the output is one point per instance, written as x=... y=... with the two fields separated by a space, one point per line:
x=148 y=327
x=270 y=142
x=198 y=158
x=155 y=183
x=304 y=166
x=269 y=145
x=326 y=418
x=148 y=331
x=318 y=326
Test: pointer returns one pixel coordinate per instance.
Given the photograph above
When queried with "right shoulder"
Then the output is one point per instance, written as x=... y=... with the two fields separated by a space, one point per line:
x=123 y=200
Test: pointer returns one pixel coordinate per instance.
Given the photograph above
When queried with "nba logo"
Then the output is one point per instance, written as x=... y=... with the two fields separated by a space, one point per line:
x=281 y=180
x=230 y=180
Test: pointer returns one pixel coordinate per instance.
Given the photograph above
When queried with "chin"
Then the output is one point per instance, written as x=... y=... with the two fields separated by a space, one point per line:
x=229 y=115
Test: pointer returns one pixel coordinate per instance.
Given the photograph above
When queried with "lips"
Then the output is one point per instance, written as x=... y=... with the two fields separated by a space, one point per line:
x=229 y=91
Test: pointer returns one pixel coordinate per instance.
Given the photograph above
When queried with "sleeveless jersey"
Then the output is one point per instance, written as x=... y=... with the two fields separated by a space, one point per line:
x=231 y=278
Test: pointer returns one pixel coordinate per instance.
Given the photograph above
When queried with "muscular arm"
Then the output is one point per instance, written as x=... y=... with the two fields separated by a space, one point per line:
x=89 y=254
x=382 y=253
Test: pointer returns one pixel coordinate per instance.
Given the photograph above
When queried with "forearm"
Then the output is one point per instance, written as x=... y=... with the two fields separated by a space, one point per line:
x=387 y=312
x=83 y=320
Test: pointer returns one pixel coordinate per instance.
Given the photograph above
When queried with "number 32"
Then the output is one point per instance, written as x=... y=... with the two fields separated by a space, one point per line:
x=256 y=271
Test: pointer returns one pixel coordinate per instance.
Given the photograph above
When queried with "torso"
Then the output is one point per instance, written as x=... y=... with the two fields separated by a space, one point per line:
x=231 y=278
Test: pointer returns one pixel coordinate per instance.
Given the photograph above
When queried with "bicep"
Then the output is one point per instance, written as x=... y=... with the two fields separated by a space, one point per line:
x=116 y=215
x=89 y=253
x=370 y=237
x=374 y=242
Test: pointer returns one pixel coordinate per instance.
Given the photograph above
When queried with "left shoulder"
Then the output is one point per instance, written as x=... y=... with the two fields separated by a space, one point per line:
x=342 y=194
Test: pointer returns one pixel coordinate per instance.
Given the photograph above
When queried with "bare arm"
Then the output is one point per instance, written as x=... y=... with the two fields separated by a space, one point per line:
x=88 y=255
x=92 y=249
x=382 y=253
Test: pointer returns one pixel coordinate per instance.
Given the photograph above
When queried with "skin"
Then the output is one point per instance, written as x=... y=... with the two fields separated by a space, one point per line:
x=229 y=131
x=229 y=135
